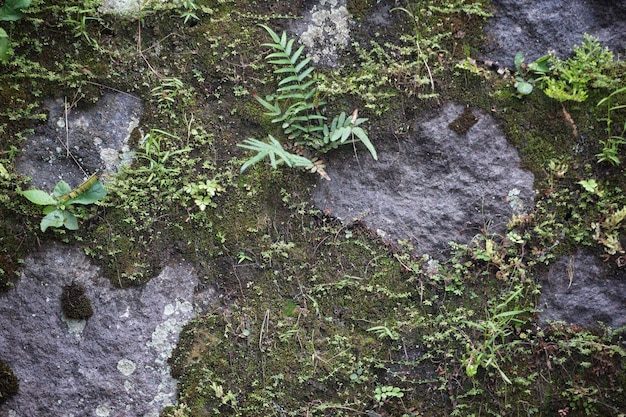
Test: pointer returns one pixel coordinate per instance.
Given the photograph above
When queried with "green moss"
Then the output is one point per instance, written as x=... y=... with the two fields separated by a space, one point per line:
x=360 y=8
x=464 y=122
x=316 y=315
x=75 y=303
x=9 y=384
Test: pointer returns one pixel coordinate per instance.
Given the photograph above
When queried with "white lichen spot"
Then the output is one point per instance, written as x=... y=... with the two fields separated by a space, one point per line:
x=126 y=367
x=516 y=203
x=184 y=307
x=111 y=159
x=163 y=335
x=103 y=410
x=328 y=31
x=169 y=310
x=121 y=7
x=74 y=326
x=128 y=386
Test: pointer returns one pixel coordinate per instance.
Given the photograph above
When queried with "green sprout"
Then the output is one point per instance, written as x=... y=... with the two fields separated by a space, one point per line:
x=59 y=205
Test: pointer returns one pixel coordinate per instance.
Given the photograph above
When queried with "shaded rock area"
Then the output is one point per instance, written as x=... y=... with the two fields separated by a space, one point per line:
x=77 y=142
x=535 y=27
x=453 y=176
x=114 y=363
x=579 y=289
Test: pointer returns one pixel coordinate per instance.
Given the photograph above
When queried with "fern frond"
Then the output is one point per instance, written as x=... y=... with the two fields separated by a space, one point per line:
x=275 y=151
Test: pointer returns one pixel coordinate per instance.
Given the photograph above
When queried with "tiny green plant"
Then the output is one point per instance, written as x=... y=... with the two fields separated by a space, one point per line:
x=59 y=206
x=384 y=331
x=296 y=107
x=384 y=393
x=189 y=11
x=524 y=83
x=79 y=17
x=610 y=146
x=569 y=80
x=495 y=329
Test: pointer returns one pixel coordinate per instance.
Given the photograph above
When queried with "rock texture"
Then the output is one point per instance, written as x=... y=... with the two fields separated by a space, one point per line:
x=114 y=363
x=579 y=289
x=80 y=141
x=535 y=27
x=453 y=176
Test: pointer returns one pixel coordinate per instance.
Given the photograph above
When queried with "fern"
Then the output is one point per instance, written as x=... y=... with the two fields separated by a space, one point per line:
x=343 y=128
x=295 y=105
x=275 y=151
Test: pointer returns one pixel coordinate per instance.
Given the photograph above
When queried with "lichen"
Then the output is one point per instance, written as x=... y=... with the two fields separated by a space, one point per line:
x=328 y=31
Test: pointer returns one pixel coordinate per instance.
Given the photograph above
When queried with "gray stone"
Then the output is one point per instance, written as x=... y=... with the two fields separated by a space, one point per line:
x=434 y=187
x=113 y=364
x=86 y=141
x=580 y=289
x=535 y=27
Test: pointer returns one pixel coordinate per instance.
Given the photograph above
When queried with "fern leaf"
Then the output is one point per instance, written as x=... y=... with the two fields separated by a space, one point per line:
x=302 y=64
x=288 y=47
x=305 y=73
x=365 y=140
x=272 y=34
x=296 y=55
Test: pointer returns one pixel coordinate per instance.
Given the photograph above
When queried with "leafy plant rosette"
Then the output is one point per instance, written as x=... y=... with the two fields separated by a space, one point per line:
x=10 y=12
x=59 y=205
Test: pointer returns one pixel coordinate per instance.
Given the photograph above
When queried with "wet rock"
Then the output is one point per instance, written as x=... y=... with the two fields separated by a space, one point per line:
x=453 y=176
x=580 y=289
x=78 y=142
x=535 y=27
x=113 y=364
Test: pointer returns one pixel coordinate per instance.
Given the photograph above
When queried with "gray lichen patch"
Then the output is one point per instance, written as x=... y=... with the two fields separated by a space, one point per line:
x=121 y=7
x=77 y=142
x=434 y=186
x=326 y=31
x=117 y=363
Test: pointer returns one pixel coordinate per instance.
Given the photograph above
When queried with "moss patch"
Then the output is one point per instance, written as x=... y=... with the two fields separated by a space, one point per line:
x=75 y=303
x=9 y=384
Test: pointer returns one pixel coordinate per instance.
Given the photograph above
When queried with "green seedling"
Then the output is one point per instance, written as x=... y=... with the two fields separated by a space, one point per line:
x=523 y=82
x=59 y=206
x=384 y=393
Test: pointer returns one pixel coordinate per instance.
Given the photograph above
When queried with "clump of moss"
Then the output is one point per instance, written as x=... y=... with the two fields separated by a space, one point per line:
x=75 y=303
x=464 y=122
x=9 y=384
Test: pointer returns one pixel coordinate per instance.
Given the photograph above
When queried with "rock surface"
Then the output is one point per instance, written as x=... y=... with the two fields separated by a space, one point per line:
x=535 y=27
x=579 y=289
x=80 y=142
x=453 y=176
x=113 y=364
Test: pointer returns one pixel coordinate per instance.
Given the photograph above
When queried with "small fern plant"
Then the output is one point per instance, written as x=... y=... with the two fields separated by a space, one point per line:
x=296 y=106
